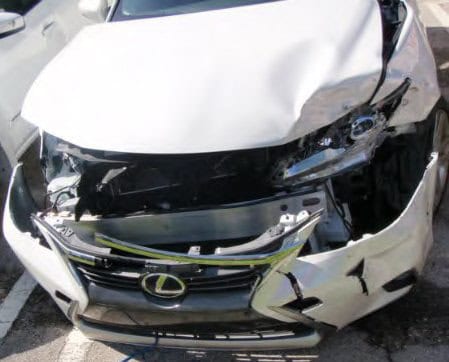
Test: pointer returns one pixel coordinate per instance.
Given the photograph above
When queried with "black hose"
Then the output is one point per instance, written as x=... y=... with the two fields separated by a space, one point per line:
x=340 y=211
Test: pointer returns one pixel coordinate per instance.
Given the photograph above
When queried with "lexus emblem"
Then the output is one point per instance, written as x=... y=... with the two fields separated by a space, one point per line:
x=163 y=285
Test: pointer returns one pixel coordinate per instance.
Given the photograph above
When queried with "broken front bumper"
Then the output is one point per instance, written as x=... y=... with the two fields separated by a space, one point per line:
x=296 y=299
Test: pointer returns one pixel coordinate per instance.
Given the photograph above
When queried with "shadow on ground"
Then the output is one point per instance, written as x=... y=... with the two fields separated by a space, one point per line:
x=40 y=324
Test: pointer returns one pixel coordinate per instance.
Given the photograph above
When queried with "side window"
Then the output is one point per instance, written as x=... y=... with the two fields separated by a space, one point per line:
x=17 y=6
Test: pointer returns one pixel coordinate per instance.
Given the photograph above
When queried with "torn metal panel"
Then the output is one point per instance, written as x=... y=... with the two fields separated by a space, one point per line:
x=401 y=246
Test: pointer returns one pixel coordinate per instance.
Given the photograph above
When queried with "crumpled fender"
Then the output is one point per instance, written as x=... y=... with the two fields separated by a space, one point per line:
x=330 y=276
x=413 y=59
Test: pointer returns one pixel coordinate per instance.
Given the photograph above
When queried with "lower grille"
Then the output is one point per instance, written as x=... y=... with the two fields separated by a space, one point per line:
x=255 y=329
x=210 y=279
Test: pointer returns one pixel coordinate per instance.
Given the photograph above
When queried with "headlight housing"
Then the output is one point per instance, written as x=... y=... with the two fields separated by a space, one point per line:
x=349 y=142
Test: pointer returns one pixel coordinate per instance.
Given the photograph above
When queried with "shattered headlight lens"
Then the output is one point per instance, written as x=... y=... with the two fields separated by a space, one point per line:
x=349 y=142
x=364 y=133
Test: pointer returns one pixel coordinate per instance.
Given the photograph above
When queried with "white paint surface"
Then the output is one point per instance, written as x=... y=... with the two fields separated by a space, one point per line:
x=238 y=78
x=14 y=302
x=412 y=59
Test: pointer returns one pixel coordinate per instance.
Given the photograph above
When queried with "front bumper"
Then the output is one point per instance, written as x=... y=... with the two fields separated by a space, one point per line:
x=319 y=292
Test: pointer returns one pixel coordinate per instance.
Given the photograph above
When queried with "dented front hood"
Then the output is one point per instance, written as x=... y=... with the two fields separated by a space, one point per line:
x=237 y=78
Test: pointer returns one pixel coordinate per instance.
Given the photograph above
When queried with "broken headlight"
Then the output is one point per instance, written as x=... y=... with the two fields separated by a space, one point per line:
x=347 y=143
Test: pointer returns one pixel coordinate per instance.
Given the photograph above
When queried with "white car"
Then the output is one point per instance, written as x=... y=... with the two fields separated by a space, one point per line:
x=32 y=32
x=245 y=174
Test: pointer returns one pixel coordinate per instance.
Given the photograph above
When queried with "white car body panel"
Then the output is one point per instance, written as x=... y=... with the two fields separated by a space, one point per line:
x=49 y=26
x=46 y=265
x=239 y=78
x=401 y=246
x=412 y=59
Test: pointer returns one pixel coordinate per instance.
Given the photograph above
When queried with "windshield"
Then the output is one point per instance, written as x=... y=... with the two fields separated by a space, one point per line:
x=134 y=9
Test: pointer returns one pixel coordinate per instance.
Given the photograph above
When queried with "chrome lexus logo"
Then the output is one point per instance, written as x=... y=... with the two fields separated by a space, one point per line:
x=163 y=285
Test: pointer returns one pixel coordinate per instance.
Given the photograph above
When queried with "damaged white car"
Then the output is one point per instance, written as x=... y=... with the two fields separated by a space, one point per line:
x=245 y=174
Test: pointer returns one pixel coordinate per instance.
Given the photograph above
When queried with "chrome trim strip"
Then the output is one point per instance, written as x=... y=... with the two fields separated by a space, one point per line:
x=219 y=260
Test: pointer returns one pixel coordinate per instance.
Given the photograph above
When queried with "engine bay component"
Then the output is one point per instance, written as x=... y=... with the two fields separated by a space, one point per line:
x=362 y=126
x=112 y=183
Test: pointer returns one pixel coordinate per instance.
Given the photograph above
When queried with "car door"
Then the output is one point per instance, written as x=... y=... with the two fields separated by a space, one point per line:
x=22 y=56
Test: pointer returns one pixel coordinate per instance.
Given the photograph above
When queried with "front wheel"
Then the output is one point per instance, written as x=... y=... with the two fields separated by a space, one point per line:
x=5 y=173
x=441 y=145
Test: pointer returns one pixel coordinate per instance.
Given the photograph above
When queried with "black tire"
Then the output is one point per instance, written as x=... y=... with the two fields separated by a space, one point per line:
x=440 y=143
x=5 y=174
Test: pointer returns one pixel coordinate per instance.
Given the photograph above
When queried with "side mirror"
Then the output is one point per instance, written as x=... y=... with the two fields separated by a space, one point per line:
x=96 y=10
x=10 y=23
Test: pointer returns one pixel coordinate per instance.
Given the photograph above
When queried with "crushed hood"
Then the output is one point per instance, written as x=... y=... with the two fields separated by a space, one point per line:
x=238 y=78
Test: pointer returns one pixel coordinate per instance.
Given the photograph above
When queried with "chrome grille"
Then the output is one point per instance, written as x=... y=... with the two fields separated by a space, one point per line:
x=211 y=280
x=242 y=279
x=109 y=278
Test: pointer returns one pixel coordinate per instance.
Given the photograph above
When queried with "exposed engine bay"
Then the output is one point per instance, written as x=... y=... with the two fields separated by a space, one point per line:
x=358 y=171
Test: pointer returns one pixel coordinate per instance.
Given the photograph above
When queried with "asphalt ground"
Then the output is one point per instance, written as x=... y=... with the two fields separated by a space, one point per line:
x=414 y=328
